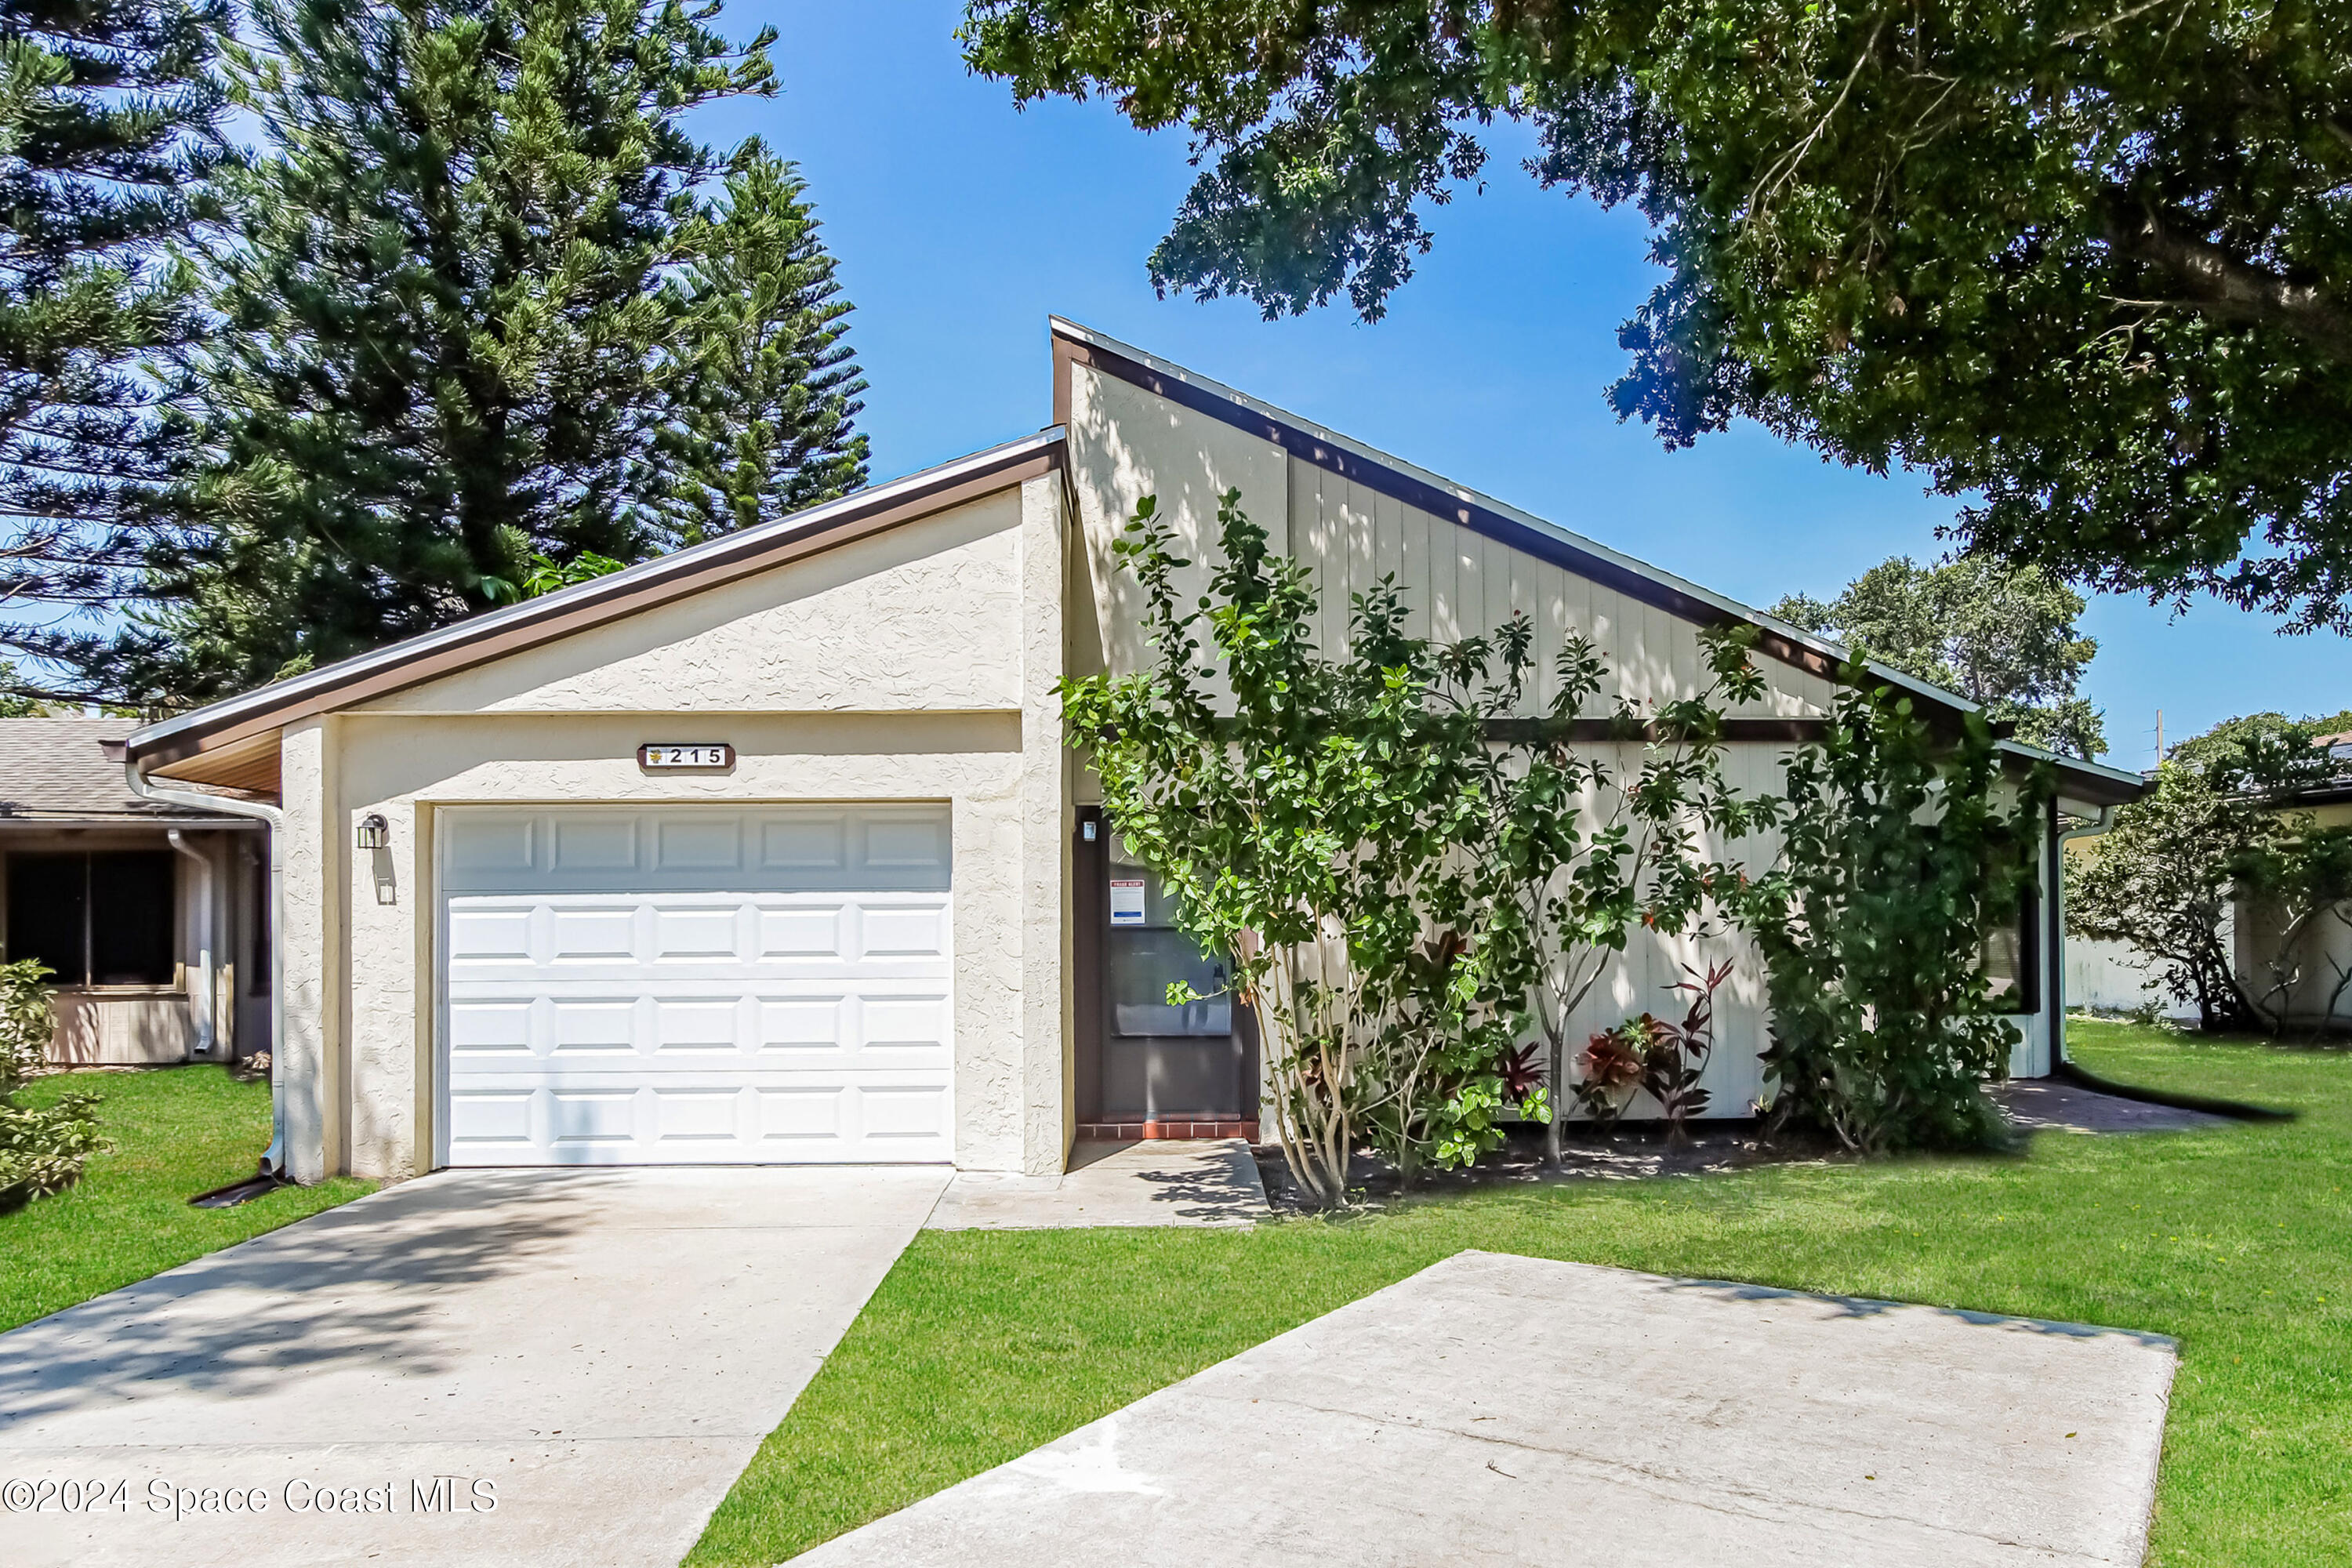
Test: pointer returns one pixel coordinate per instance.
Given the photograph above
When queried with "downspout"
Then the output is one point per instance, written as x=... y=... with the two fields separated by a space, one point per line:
x=273 y=1161
x=2057 y=988
x=208 y=1012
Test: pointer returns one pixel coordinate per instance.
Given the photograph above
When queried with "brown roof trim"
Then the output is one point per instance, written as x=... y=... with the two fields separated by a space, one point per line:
x=1415 y=491
x=647 y=585
x=1598 y=731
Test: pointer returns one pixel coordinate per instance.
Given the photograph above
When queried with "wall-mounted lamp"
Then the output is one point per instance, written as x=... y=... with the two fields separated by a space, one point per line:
x=374 y=832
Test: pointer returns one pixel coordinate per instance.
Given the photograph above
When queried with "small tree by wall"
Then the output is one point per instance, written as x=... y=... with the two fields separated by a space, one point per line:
x=2218 y=825
x=1897 y=858
x=1310 y=820
x=1563 y=879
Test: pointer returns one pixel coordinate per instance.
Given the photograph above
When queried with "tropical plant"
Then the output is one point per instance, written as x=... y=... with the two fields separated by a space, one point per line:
x=1898 y=856
x=1609 y=1070
x=481 y=306
x=768 y=386
x=1575 y=855
x=1676 y=1052
x=1664 y=1058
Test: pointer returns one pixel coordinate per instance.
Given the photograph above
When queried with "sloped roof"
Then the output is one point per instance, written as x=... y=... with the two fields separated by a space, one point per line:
x=662 y=580
x=1524 y=531
x=63 y=771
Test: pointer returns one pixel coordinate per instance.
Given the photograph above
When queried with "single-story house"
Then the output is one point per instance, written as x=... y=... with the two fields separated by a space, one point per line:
x=151 y=919
x=2302 y=975
x=771 y=849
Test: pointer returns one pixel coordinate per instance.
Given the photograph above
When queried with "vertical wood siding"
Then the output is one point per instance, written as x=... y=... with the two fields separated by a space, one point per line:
x=1126 y=442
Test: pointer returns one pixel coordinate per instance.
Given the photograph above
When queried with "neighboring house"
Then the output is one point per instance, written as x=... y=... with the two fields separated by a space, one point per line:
x=771 y=849
x=2315 y=961
x=152 y=919
x=2115 y=977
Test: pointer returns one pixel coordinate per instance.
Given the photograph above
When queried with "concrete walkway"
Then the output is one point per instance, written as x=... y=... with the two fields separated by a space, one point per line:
x=1506 y=1411
x=2054 y=1105
x=1204 y=1182
x=597 y=1353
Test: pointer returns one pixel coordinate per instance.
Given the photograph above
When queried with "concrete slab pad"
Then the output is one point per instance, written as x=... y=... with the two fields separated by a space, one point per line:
x=1504 y=1410
x=1200 y=1181
x=602 y=1351
x=2052 y=1105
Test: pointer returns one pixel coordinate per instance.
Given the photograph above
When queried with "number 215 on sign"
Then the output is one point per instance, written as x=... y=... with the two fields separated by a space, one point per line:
x=697 y=755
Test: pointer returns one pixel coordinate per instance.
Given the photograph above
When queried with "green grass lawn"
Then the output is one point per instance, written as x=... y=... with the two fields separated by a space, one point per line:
x=177 y=1131
x=981 y=1345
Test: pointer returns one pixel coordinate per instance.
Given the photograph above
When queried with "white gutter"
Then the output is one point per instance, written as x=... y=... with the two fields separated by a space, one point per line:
x=273 y=1161
x=207 y=1009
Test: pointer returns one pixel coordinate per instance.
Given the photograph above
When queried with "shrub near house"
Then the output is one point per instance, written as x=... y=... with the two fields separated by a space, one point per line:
x=1398 y=874
x=41 y=1149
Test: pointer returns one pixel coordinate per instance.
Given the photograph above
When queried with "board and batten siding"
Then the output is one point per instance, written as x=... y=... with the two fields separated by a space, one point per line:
x=1458 y=583
x=1127 y=442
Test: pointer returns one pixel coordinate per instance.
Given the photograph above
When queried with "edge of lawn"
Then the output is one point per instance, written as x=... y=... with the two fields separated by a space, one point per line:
x=176 y=1132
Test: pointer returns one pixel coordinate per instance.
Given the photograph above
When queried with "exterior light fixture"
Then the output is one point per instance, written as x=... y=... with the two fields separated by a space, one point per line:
x=374 y=832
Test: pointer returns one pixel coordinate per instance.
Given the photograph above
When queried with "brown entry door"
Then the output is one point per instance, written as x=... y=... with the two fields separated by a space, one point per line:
x=1160 y=1059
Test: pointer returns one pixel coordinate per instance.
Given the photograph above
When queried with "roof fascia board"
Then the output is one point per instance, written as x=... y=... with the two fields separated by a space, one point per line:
x=1482 y=514
x=646 y=586
x=2094 y=781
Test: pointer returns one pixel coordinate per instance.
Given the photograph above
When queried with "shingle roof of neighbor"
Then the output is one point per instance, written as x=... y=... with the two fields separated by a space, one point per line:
x=59 y=769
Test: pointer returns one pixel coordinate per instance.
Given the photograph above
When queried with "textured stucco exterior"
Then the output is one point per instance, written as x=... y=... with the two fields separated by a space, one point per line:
x=916 y=665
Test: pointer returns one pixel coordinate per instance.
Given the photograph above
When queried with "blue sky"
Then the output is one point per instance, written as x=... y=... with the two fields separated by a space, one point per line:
x=960 y=223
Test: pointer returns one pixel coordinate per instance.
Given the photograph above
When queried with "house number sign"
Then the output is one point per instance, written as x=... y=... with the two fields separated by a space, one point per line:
x=696 y=754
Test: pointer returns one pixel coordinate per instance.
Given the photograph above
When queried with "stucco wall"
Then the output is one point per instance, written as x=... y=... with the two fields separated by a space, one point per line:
x=925 y=615
x=916 y=665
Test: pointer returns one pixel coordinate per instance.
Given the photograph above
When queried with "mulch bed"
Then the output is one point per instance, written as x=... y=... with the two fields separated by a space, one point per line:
x=1633 y=1153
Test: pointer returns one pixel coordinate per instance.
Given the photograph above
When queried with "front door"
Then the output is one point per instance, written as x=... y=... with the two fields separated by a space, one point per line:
x=1161 y=1060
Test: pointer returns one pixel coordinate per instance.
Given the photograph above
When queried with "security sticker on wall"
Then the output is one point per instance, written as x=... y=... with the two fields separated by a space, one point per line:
x=1127 y=901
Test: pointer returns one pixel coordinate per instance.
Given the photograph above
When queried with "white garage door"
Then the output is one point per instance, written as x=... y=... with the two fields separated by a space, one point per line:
x=691 y=985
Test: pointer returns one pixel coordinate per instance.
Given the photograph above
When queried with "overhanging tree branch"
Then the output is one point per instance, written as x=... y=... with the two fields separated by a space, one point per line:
x=2224 y=286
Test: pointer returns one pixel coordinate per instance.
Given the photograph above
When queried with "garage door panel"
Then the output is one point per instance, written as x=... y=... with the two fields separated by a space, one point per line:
x=698 y=1026
x=709 y=1117
x=650 y=1019
x=903 y=1114
x=803 y=1027
x=685 y=934
x=583 y=936
x=917 y=931
x=491 y=1121
x=817 y=841
x=818 y=932
x=482 y=935
x=594 y=842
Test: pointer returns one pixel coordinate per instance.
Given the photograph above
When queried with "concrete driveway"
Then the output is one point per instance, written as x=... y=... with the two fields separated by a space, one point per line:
x=1517 y=1413
x=487 y=1367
